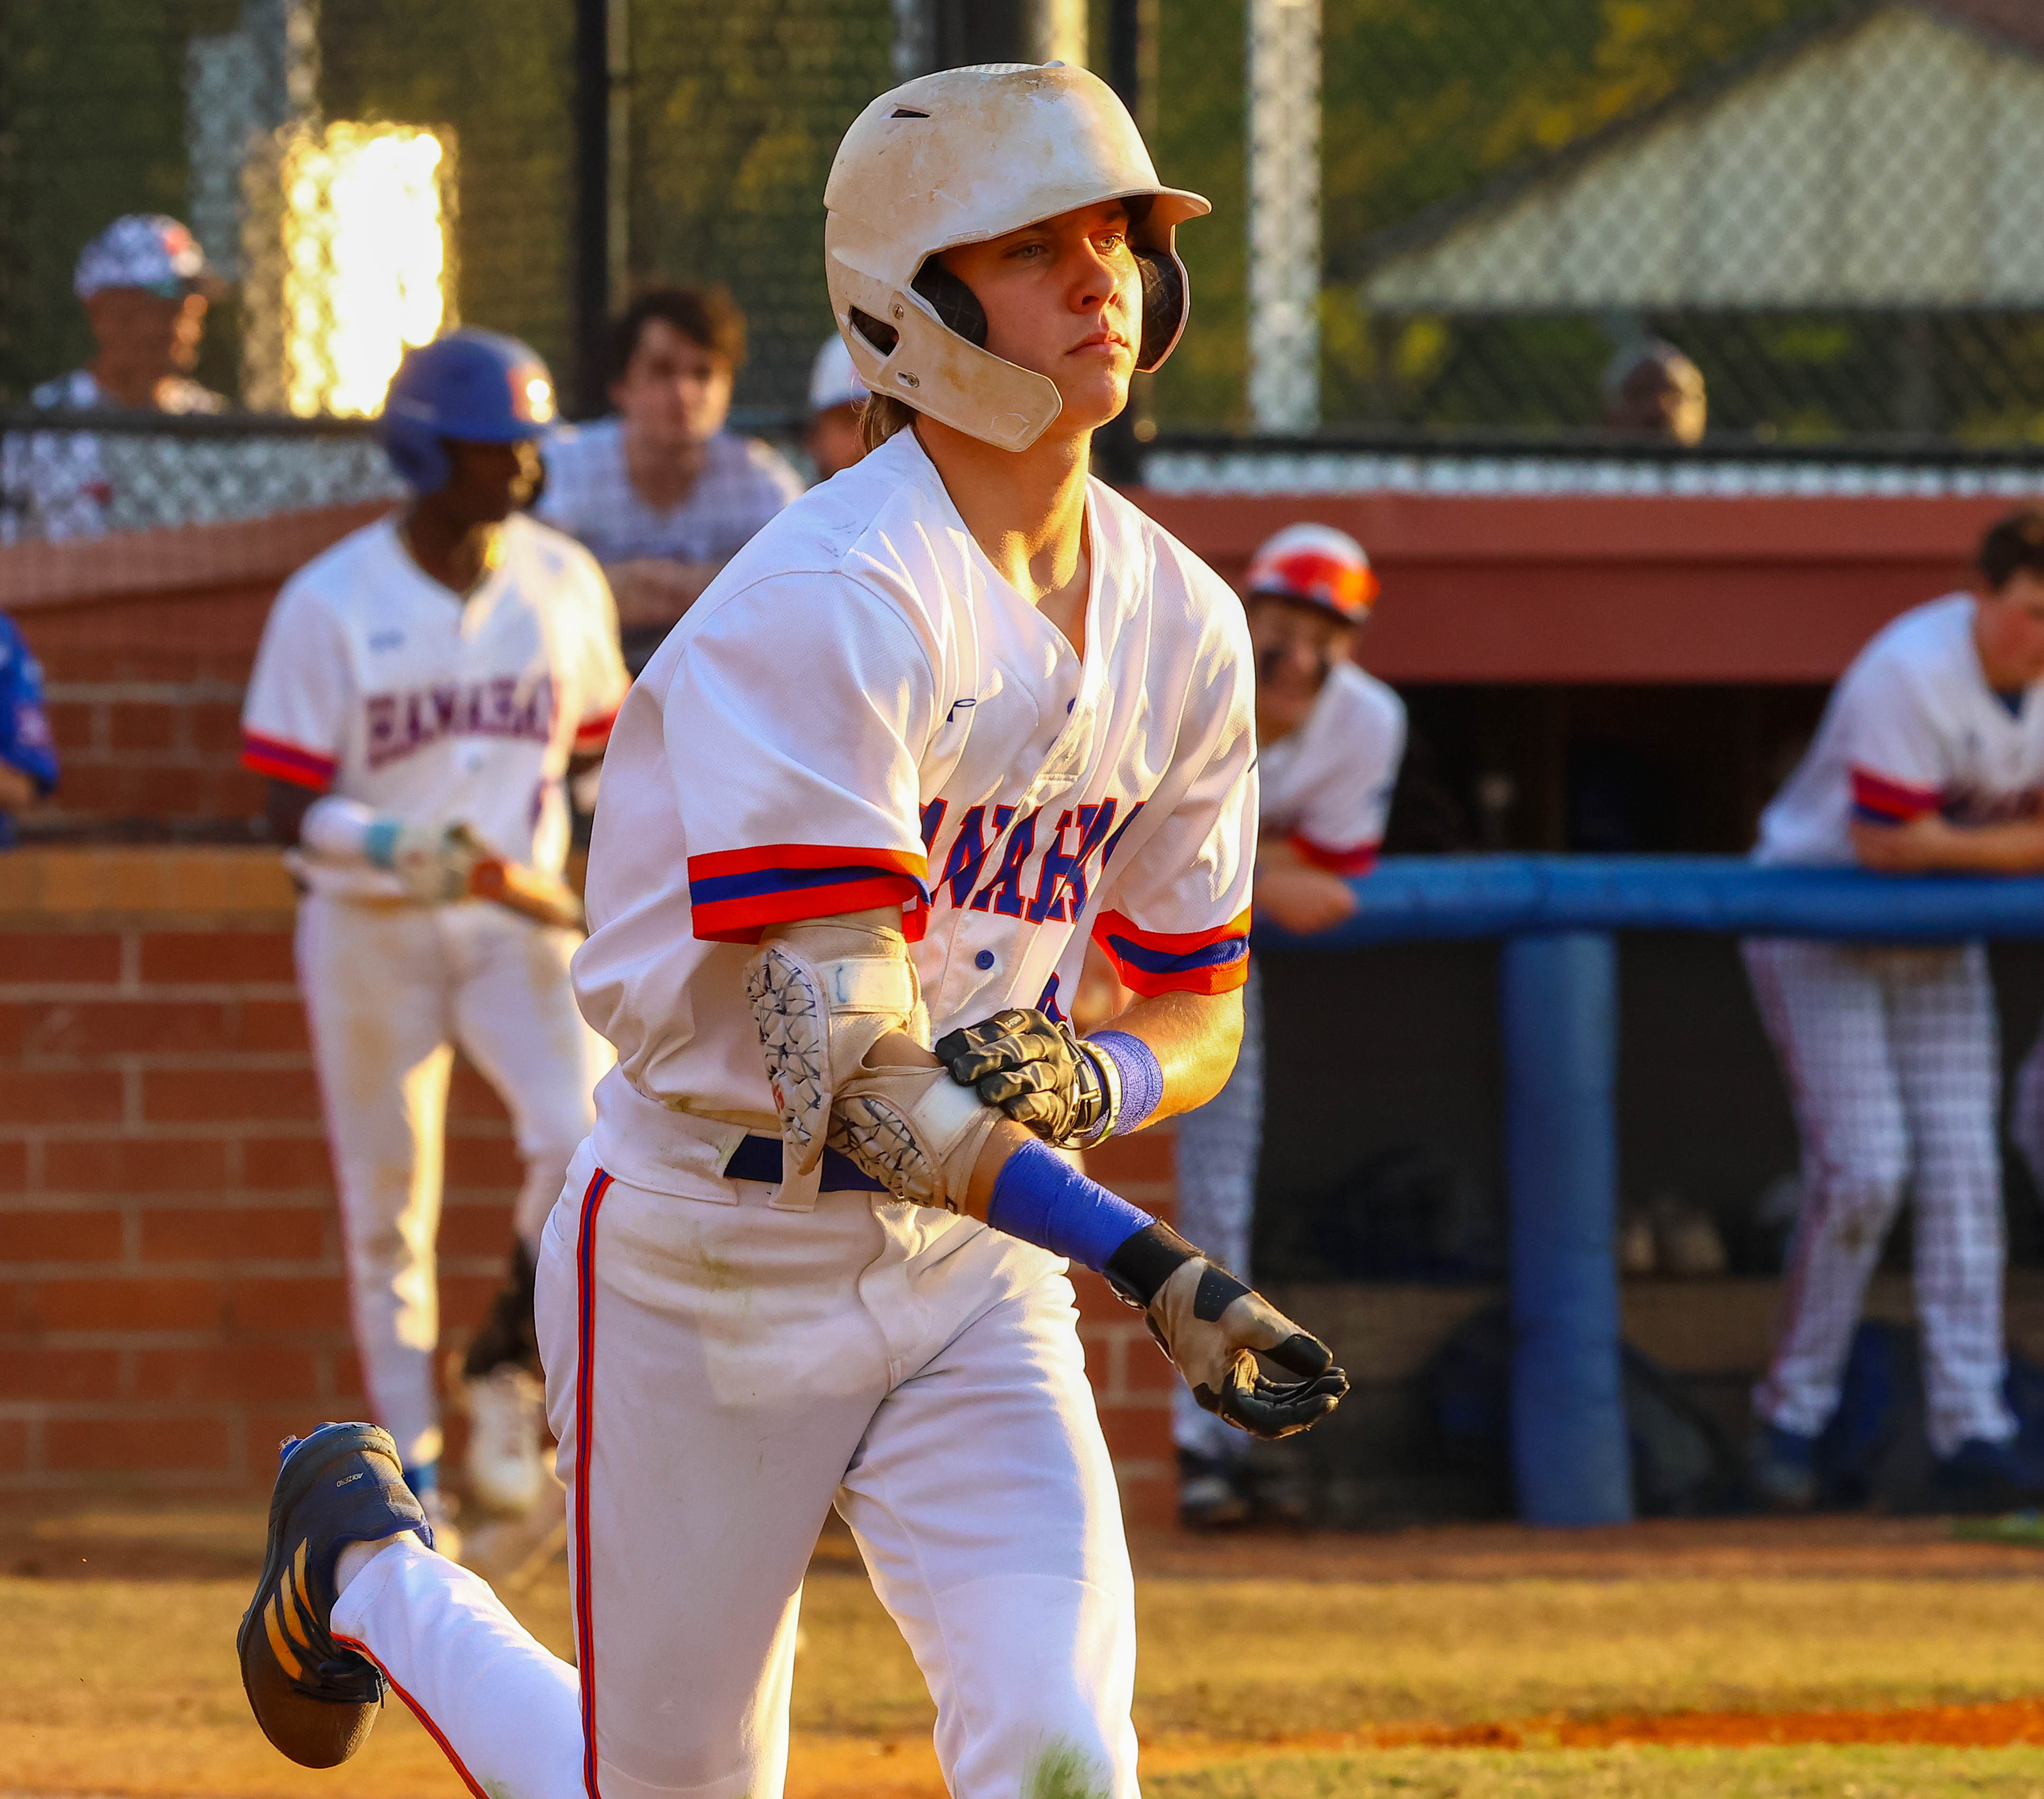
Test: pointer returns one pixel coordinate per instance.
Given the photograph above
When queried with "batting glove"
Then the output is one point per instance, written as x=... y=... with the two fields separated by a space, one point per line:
x=1036 y=1071
x=434 y=864
x=1213 y=1327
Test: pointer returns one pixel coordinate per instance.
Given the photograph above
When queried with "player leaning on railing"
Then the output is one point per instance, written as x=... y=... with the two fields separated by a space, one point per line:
x=1930 y=756
x=946 y=716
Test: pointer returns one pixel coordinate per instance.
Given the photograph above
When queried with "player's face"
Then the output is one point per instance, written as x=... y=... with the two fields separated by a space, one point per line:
x=2011 y=630
x=490 y=482
x=145 y=331
x=1294 y=646
x=673 y=392
x=1063 y=298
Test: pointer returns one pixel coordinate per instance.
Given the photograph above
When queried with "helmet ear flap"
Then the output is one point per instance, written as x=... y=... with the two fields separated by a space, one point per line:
x=956 y=304
x=418 y=456
x=1163 y=306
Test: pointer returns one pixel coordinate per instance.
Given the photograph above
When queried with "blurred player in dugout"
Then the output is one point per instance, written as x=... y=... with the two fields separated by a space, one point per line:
x=1930 y=756
x=662 y=494
x=1330 y=739
x=145 y=285
x=423 y=691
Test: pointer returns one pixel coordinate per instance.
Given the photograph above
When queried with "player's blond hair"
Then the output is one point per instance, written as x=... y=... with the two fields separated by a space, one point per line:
x=881 y=417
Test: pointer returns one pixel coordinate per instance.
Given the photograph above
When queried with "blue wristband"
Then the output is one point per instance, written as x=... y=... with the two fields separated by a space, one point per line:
x=1043 y=1199
x=380 y=842
x=1142 y=1080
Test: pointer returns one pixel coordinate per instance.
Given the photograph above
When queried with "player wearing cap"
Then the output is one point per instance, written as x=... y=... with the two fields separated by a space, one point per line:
x=1930 y=756
x=952 y=711
x=144 y=284
x=1329 y=740
x=421 y=691
x=833 y=436
x=663 y=495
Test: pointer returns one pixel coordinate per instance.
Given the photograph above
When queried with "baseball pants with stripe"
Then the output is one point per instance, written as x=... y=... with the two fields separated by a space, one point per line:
x=720 y=1373
x=390 y=990
x=1218 y=1145
x=1893 y=1067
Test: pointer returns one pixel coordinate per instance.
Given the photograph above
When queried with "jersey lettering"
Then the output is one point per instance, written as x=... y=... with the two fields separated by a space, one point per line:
x=401 y=724
x=1061 y=889
x=1004 y=890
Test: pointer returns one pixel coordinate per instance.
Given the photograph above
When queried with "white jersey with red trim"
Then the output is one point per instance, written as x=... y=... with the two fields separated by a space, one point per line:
x=1912 y=727
x=1326 y=786
x=860 y=712
x=375 y=682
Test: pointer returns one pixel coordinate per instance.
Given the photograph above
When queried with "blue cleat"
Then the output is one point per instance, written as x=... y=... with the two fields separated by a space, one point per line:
x=315 y=1699
x=1784 y=1470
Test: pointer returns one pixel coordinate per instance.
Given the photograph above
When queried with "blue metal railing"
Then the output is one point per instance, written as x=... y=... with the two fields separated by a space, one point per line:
x=1558 y=1000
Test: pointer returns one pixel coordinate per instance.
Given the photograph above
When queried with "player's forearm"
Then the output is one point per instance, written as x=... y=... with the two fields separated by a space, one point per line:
x=1194 y=1038
x=17 y=788
x=1930 y=845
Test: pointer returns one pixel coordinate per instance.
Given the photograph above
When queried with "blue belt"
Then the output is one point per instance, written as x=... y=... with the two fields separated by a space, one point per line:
x=758 y=1158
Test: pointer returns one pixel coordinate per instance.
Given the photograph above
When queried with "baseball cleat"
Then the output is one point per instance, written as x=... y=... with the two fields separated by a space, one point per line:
x=506 y=1471
x=1784 y=1470
x=316 y=1699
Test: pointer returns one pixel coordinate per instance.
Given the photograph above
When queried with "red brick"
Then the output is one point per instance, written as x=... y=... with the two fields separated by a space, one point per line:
x=136 y=1165
x=265 y=1427
x=475 y=1230
x=55 y=1375
x=192 y=1443
x=122 y=1302
x=14 y=1167
x=259 y=1303
x=464 y=1298
x=144 y=724
x=484 y=1161
x=270 y=1024
x=88 y=1096
x=207 y=1095
x=13 y=1446
x=216 y=727
x=211 y=1234
x=1146 y=1156
x=73 y=724
x=286 y=1164
x=180 y=957
x=257 y=1373
x=60 y=1236
x=471 y=1097
x=53 y=957
x=114 y=1027
x=1149 y=1501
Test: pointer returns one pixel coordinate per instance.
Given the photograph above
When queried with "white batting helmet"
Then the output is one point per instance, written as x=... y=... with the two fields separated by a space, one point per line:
x=959 y=157
x=1318 y=565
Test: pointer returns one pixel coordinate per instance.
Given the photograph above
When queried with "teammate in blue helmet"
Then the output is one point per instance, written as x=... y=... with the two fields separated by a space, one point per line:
x=462 y=424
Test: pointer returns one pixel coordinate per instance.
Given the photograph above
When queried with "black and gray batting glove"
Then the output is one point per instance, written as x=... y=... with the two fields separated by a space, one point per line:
x=1035 y=1070
x=1213 y=1327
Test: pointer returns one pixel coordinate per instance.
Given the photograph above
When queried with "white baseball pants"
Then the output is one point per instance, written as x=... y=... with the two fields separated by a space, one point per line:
x=1892 y=1061
x=719 y=1373
x=1218 y=1145
x=390 y=990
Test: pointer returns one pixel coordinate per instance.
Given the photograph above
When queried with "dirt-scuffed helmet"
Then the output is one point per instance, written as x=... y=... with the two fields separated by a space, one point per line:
x=960 y=157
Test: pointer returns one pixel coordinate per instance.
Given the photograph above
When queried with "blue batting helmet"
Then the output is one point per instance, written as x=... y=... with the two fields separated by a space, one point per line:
x=473 y=386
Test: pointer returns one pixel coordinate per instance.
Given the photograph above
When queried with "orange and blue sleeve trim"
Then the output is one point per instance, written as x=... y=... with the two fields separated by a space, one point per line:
x=1151 y=962
x=592 y=734
x=286 y=762
x=734 y=895
x=1879 y=800
x=1358 y=860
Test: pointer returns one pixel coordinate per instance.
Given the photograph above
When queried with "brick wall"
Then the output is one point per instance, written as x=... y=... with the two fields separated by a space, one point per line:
x=172 y=1294
x=146 y=640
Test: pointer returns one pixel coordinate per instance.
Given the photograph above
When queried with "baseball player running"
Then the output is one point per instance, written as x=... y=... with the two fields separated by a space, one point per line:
x=1930 y=756
x=422 y=689
x=1329 y=740
x=951 y=712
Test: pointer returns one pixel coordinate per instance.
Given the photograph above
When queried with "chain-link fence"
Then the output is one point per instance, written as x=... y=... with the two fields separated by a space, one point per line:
x=1834 y=212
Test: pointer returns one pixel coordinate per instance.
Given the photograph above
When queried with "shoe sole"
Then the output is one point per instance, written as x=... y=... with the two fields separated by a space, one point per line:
x=315 y=1733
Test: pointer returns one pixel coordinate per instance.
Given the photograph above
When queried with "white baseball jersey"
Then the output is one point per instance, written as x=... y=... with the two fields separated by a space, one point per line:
x=374 y=681
x=859 y=712
x=1912 y=727
x=1326 y=786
